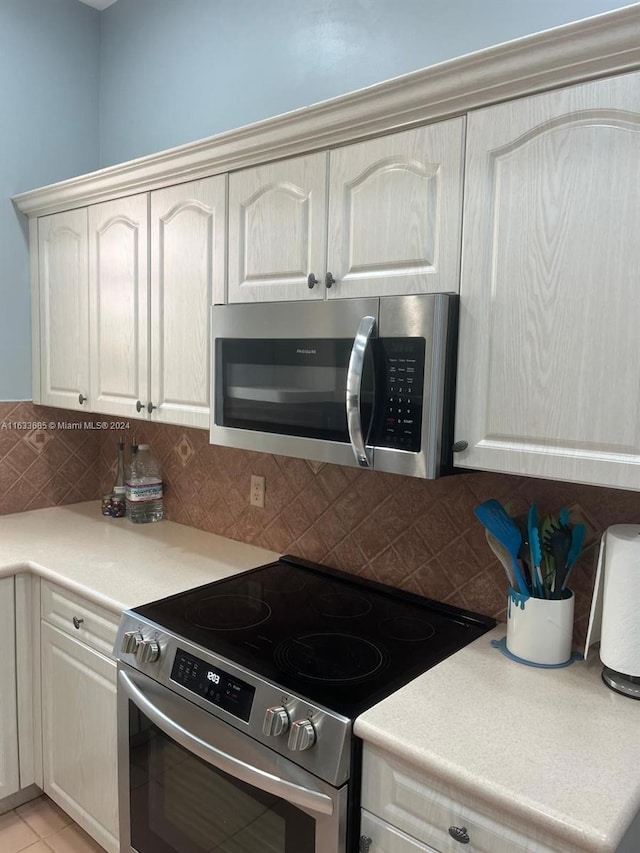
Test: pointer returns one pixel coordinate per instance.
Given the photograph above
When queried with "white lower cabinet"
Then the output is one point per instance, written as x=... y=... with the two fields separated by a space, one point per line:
x=385 y=838
x=9 y=768
x=79 y=713
x=406 y=811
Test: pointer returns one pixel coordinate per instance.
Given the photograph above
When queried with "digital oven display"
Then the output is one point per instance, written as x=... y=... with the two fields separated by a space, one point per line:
x=213 y=684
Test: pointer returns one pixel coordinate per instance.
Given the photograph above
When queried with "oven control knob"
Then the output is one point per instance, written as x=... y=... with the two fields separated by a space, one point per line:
x=302 y=735
x=148 y=651
x=276 y=721
x=130 y=642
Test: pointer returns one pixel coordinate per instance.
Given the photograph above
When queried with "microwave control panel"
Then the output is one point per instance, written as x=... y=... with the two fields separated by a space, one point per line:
x=401 y=372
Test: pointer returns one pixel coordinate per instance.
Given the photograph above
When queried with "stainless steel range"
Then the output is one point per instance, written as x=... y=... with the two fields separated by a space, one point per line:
x=236 y=702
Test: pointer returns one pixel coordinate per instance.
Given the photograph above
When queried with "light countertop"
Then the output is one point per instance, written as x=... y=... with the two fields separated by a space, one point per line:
x=555 y=748
x=115 y=563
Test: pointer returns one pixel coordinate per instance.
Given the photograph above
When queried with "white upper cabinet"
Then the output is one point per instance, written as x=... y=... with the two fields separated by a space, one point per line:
x=188 y=229
x=395 y=209
x=278 y=231
x=118 y=283
x=61 y=362
x=152 y=274
x=549 y=353
x=380 y=217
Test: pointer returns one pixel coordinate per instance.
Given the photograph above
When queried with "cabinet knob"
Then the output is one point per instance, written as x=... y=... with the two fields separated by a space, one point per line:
x=365 y=844
x=81 y=398
x=139 y=406
x=151 y=407
x=459 y=446
x=311 y=281
x=77 y=622
x=329 y=280
x=459 y=833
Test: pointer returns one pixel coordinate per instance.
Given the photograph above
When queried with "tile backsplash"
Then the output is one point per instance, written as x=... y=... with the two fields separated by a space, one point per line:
x=420 y=535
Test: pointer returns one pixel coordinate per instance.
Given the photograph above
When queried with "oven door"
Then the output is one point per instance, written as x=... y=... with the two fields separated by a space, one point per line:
x=190 y=783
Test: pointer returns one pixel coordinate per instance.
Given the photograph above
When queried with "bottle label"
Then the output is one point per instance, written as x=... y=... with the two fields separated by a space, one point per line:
x=140 y=492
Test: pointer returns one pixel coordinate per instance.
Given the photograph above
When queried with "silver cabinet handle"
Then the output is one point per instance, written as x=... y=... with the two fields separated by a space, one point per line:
x=151 y=407
x=81 y=398
x=459 y=833
x=311 y=281
x=139 y=406
x=363 y=454
x=329 y=280
x=296 y=794
x=77 y=622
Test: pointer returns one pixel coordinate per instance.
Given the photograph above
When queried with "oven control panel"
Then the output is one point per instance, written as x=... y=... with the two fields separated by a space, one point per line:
x=213 y=684
x=309 y=735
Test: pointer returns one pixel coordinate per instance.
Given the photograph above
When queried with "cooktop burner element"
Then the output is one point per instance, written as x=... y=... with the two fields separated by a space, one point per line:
x=338 y=658
x=407 y=628
x=335 y=639
x=228 y=613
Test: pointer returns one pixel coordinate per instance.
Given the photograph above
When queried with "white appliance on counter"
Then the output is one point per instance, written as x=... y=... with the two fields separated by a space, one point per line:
x=615 y=609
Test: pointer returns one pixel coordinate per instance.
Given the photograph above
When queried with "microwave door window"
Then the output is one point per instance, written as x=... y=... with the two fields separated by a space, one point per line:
x=291 y=387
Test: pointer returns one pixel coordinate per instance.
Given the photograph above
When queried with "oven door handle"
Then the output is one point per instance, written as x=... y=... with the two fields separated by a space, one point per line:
x=363 y=454
x=294 y=794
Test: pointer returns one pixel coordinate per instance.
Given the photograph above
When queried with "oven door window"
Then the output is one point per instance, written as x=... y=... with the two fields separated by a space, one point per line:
x=181 y=804
x=288 y=386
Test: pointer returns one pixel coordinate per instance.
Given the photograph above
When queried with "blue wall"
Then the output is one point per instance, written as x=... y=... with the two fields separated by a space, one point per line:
x=49 y=125
x=81 y=89
x=173 y=71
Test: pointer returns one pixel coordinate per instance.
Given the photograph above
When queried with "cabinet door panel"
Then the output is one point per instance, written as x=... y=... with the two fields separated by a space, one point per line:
x=79 y=734
x=395 y=207
x=118 y=263
x=548 y=379
x=188 y=229
x=64 y=308
x=9 y=774
x=277 y=230
x=386 y=838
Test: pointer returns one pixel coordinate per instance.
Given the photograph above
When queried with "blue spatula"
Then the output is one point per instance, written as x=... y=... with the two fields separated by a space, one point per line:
x=535 y=551
x=498 y=522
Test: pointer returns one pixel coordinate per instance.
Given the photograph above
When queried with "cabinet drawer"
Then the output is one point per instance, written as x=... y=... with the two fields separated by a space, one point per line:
x=388 y=839
x=416 y=805
x=96 y=626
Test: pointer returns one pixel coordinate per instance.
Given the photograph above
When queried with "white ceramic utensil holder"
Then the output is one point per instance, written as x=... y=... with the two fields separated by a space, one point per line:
x=539 y=630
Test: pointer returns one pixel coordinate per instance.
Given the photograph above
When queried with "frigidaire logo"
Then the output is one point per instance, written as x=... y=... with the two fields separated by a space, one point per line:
x=307 y=351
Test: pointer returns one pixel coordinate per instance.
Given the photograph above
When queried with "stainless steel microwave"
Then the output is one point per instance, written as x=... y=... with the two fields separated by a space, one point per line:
x=365 y=382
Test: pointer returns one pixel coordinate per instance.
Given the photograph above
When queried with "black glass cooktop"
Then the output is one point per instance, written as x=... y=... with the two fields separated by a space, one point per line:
x=333 y=638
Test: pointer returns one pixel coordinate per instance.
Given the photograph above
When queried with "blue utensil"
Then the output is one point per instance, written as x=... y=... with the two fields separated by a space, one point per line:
x=498 y=522
x=564 y=517
x=535 y=551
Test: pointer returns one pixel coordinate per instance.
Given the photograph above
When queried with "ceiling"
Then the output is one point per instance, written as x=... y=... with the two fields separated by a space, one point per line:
x=98 y=4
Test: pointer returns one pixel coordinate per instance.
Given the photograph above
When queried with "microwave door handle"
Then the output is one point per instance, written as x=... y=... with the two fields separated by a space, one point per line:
x=297 y=795
x=363 y=454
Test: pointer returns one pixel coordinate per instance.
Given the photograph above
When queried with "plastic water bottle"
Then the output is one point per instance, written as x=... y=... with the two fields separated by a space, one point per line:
x=143 y=486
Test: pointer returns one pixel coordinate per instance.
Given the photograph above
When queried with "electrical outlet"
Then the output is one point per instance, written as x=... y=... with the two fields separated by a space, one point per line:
x=256 y=495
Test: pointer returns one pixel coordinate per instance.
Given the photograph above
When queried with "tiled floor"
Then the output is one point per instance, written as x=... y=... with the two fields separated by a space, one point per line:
x=41 y=827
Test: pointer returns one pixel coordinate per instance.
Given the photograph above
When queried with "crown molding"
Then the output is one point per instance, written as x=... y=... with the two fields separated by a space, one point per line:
x=601 y=46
